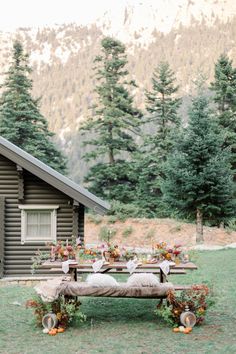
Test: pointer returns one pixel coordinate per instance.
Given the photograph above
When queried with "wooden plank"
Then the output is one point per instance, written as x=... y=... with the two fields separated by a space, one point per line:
x=2 y=235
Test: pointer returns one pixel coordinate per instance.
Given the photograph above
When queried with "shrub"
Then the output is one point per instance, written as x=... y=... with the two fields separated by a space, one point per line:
x=96 y=219
x=111 y=219
x=127 y=231
x=231 y=225
x=106 y=233
x=124 y=211
x=150 y=234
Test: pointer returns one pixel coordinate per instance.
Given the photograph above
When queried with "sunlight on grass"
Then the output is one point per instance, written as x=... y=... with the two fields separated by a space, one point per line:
x=129 y=325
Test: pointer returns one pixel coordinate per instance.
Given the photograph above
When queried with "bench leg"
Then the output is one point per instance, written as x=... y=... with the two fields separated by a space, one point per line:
x=159 y=303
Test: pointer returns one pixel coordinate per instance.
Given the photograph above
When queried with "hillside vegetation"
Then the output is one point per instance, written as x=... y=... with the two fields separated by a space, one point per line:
x=144 y=232
x=64 y=79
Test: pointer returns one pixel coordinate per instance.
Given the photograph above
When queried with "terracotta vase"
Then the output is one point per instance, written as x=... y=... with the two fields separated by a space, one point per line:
x=107 y=255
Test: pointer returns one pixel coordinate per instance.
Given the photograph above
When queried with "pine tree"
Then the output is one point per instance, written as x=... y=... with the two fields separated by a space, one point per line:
x=114 y=124
x=198 y=182
x=20 y=119
x=163 y=119
x=224 y=88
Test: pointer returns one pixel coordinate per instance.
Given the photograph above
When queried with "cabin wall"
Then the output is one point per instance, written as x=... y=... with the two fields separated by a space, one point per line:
x=17 y=256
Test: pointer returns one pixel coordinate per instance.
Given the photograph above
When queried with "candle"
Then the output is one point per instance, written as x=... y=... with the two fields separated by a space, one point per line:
x=187 y=321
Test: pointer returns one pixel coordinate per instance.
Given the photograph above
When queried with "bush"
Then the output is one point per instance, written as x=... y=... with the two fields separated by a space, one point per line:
x=106 y=233
x=231 y=225
x=96 y=219
x=127 y=231
x=124 y=211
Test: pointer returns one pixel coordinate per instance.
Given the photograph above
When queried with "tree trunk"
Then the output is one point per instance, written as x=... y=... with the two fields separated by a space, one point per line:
x=111 y=157
x=199 y=227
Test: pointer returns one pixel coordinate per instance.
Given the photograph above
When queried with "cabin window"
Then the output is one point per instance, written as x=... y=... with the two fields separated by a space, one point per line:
x=38 y=223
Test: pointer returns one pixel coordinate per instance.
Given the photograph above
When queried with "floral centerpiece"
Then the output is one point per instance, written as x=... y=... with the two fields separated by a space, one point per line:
x=87 y=254
x=128 y=254
x=163 y=251
x=198 y=299
x=110 y=251
x=67 y=310
x=61 y=251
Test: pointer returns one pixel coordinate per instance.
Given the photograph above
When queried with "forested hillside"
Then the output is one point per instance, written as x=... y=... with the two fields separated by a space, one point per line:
x=63 y=77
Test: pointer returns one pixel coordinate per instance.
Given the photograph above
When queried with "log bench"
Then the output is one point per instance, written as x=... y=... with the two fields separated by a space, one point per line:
x=72 y=288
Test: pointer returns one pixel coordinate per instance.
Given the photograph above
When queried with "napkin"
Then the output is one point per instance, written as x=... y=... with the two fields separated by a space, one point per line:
x=97 y=265
x=165 y=267
x=65 y=265
x=131 y=266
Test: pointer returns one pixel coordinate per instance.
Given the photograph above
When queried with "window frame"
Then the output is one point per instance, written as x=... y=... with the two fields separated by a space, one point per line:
x=52 y=209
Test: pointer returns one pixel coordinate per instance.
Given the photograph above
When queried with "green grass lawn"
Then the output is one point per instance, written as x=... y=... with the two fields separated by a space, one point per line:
x=129 y=325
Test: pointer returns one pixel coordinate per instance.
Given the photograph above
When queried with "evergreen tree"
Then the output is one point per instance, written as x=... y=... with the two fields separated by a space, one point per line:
x=114 y=124
x=198 y=182
x=163 y=119
x=20 y=119
x=224 y=88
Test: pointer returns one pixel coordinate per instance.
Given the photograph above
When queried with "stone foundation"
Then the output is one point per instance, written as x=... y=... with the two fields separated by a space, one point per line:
x=22 y=281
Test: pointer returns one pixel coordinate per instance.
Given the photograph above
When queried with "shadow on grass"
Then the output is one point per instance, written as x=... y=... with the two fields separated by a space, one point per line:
x=119 y=310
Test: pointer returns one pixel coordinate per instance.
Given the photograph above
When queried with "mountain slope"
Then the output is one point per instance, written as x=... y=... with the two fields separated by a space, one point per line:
x=190 y=38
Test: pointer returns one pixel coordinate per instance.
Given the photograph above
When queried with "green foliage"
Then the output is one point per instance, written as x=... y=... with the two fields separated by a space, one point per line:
x=150 y=234
x=20 y=119
x=124 y=211
x=66 y=309
x=162 y=106
x=165 y=313
x=115 y=122
x=198 y=174
x=198 y=299
x=96 y=219
x=38 y=259
x=111 y=219
x=127 y=231
x=224 y=88
x=106 y=234
x=231 y=224
x=112 y=182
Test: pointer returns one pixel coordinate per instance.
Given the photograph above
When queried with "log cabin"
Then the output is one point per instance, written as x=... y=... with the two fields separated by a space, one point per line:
x=37 y=205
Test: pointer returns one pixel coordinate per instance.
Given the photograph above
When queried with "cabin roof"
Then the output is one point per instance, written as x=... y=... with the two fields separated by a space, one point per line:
x=52 y=177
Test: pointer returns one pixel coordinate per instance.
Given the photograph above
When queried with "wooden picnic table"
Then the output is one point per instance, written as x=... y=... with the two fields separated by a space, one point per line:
x=121 y=268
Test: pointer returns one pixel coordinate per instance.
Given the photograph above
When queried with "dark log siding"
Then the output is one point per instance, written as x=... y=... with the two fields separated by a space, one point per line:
x=17 y=257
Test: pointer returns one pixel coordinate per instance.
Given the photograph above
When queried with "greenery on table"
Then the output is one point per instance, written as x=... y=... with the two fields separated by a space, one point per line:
x=129 y=325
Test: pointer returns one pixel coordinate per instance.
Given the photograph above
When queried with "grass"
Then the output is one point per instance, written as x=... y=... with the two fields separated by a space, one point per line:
x=127 y=325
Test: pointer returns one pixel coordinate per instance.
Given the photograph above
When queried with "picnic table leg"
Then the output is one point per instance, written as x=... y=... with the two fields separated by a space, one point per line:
x=75 y=274
x=162 y=277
